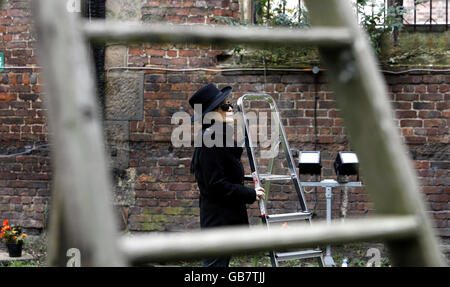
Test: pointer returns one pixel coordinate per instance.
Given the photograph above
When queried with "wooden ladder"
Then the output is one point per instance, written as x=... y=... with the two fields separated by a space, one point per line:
x=82 y=211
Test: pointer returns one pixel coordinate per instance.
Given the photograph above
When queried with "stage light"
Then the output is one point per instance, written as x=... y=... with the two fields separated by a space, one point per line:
x=309 y=162
x=346 y=163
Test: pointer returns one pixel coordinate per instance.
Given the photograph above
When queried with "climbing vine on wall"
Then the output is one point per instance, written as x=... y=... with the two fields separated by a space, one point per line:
x=378 y=21
x=271 y=15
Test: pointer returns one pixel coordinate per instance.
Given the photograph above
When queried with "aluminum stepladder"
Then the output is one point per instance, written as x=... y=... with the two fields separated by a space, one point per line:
x=259 y=178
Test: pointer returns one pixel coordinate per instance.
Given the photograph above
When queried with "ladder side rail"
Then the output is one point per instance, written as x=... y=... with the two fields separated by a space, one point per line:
x=290 y=160
x=292 y=168
x=270 y=166
x=241 y=108
x=268 y=183
x=255 y=172
x=361 y=95
x=251 y=156
x=81 y=213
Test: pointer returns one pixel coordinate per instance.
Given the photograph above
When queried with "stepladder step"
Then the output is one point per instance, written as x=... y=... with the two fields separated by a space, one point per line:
x=285 y=256
x=272 y=177
x=285 y=217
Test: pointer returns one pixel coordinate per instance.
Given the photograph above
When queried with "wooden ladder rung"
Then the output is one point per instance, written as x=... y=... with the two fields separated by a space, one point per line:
x=235 y=240
x=164 y=32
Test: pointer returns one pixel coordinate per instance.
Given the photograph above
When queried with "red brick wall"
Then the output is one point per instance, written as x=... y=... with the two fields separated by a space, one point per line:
x=184 y=12
x=24 y=179
x=195 y=11
x=421 y=108
x=166 y=194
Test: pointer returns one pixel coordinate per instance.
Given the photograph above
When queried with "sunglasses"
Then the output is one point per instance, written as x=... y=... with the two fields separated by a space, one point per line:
x=226 y=107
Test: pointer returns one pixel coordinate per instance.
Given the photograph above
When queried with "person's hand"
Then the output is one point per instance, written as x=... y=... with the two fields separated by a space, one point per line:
x=260 y=193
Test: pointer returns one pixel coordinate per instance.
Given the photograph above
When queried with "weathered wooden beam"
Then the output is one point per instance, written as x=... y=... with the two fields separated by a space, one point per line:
x=361 y=95
x=160 y=247
x=82 y=215
x=219 y=34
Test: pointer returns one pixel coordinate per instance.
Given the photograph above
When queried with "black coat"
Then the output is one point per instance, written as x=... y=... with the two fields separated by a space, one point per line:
x=220 y=178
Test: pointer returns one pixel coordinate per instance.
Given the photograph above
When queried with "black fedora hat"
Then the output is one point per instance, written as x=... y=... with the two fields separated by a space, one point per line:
x=209 y=97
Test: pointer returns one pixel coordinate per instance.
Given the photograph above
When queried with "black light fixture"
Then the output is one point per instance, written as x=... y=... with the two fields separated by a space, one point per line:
x=346 y=163
x=309 y=162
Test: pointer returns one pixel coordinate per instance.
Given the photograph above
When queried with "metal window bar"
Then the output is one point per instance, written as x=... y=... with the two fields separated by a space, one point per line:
x=372 y=7
x=430 y=23
x=415 y=15
x=82 y=216
x=431 y=14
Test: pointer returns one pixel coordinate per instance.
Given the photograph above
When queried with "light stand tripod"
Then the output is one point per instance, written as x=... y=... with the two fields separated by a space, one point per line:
x=329 y=184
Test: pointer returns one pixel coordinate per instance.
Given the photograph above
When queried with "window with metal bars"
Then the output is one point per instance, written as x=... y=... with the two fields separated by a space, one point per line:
x=279 y=12
x=426 y=15
x=416 y=15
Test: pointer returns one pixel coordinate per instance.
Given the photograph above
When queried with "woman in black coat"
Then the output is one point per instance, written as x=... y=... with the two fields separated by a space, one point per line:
x=218 y=169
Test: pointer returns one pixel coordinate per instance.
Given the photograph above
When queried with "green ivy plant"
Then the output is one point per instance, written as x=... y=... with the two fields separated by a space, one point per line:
x=377 y=25
x=380 y=23
x=272 y=16
x=279 y=16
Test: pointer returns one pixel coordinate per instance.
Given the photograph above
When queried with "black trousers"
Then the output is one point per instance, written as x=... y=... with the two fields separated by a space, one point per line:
x=216 y=262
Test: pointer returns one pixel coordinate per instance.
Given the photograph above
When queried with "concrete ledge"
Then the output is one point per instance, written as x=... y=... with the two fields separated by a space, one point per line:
x=5 y=259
